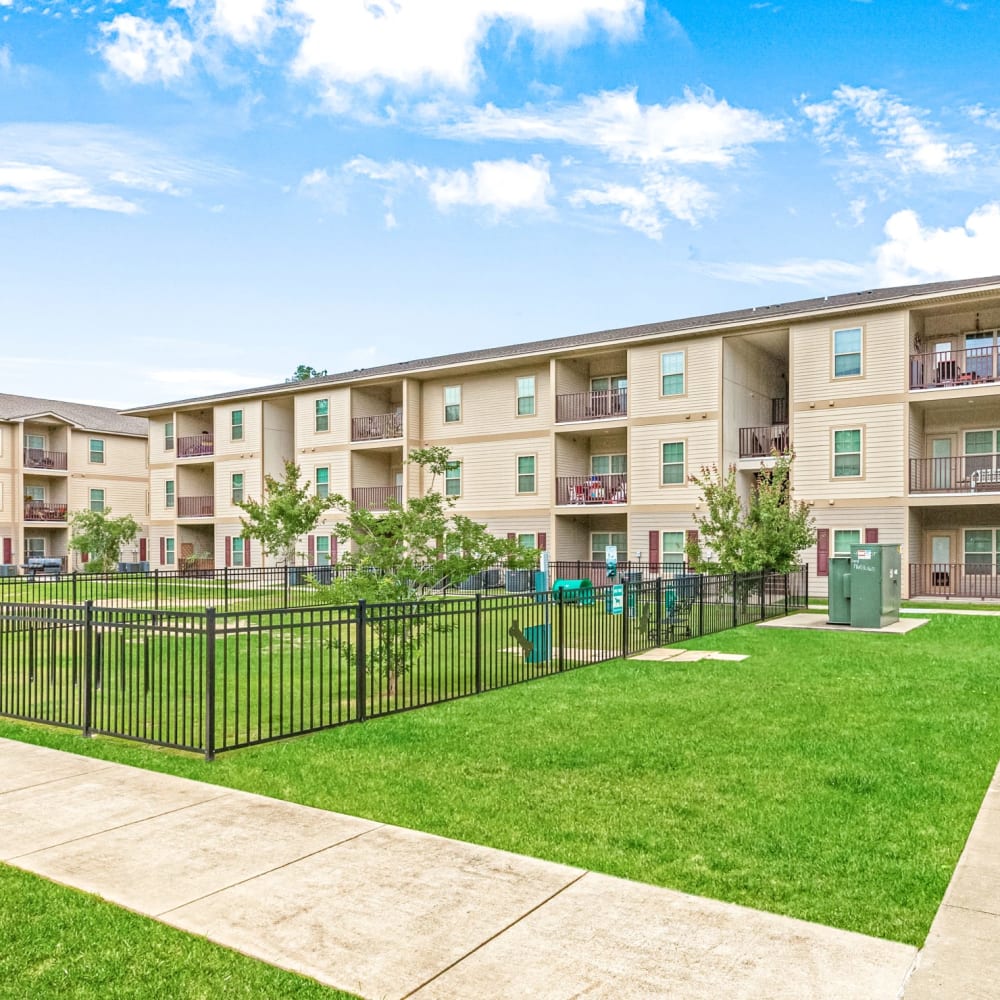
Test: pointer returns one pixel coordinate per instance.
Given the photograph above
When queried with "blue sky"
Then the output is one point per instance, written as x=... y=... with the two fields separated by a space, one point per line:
x=199 y=195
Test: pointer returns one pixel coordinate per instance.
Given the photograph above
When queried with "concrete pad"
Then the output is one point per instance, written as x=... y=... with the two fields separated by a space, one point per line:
x=35 y=818
x=161 y=863
x=960 y=960
x=687 y=655
x=821 y=622
x=604 y=937
x=23 y=765
x=378 y=915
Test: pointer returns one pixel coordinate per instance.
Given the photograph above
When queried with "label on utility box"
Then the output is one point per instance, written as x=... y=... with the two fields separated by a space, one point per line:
x=863 y=554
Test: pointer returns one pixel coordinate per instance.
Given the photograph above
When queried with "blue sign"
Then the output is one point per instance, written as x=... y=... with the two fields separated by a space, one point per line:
x=617 y=599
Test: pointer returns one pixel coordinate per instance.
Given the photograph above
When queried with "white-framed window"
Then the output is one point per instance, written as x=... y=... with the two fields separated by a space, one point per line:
x=981 y=547
x=323 y=481
x=526 y=396
x=236 y=425
x=525 y=473
x=847 y=352
x=603 y=383
x=34 y=548
x=847 y=453
x=97 y=500
x=844 y=538
x=236 y=487
x=168 y=493
x=600 y=540
x=453 y=479
x=672 y=373
x=169 y=553
x=238 y=558
x=97 y=451
x=672 y=465
x=672 y=547
x=168 y=436
x=527 y=539
x=322 y=415
x=322 y=550
x=34 y=442
x=452 y=404
x=981 y=450
x=608 y=465
x=34 y=494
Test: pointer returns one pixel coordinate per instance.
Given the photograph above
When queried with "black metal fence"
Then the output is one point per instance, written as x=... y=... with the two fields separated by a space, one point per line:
x=209 y=681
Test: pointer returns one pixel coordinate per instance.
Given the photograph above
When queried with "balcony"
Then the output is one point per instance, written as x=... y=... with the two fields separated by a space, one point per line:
x=951 y=369
x=376 y=497
x=35 y=458
x=196 y=446
x=968 y=579
x=599 y=404
x=962 y=474
x=377 y=428
x=42 y=510
x=762 y=442
x=195 y=506
x=591 y=490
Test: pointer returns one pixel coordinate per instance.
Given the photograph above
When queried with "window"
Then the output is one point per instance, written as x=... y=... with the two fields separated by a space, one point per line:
x=609 y=394
x=322 y=414
x=525 y=473
x=526 y=540
x=34 y=442
x=526 y=396
x=323 y=481
x=236 y=483
x=34 y=493
x=672 y=373
x=980 y=450
x=672 y=547
x=97 y=451
x=168 y=551
x=608 y=465
x=97 y=500
x=600 y=540
x=846 y=453
x=453 y=479
x=168 y=436
x=673 y=463
x=843 y=540
x=236 y=425
x=237 y=552
x=605 y=383
x=34 y=548
x=452 y=404
x=981 y=545
x=322 y=550
x=168 y=493
x=846 y=352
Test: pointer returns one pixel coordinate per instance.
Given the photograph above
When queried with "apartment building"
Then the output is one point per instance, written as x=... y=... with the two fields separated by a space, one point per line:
x=57 y=458
x=889 y=398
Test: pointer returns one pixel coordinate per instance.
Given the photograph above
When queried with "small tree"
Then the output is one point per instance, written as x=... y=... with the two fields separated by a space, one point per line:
x=287 y=511
x=305 y=372
x=102 y=536
x=767 y=534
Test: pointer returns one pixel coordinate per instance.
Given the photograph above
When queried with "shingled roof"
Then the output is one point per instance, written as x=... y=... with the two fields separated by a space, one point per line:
x=82 y=415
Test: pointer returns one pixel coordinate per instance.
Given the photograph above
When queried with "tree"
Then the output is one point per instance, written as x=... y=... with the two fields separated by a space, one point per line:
x=304 y=372
x=766 y=534
x=102 y=536
x=287 y=511
x=407 y=553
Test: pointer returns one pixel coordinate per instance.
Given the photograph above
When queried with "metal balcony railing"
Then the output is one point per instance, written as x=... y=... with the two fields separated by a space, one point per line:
x=598 y=404
x=35 y=458
x=376 y=497
x=377 y=428
x=762 y=442
x=587 y=490
x=196 y=445
x=195 y=506
x=957 y=474
x=42 y=510
x=968 y=579
x=949 y=369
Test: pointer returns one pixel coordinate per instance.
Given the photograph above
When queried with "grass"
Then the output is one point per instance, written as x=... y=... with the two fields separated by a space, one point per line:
x=61 y=943
x=832 y=777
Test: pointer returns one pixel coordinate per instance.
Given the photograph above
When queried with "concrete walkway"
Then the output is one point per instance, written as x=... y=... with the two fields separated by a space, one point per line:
x=385 y=912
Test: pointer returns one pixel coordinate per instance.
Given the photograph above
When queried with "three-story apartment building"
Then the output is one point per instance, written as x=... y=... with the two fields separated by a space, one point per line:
x=889 y=398
x=57 y=458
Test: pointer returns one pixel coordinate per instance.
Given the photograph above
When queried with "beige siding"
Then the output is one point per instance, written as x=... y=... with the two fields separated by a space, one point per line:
x=700 y=439
x=489 y=475
x=252 y=439
x=305 y=434
x=702 y=378
x=890 y=522
x=642 y=523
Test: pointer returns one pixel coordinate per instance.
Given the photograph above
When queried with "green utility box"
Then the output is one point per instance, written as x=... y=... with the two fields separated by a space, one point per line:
x=573 y=591
x=839 y=598
x=874 y=585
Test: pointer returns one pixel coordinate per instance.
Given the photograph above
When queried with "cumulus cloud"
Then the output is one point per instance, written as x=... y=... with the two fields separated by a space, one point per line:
x=899 y=130
x=499 y=186
x=32 y=185
x=246 y=22
x=145 y=51
x=913 y=252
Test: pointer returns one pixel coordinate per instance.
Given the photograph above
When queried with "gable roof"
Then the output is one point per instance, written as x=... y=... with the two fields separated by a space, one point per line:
x=82 y=415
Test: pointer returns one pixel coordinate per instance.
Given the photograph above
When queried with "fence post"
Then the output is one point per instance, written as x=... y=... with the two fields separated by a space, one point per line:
x=225 y=587
x=701 y=604
x=210 y=684
x=88 y=664
x=361 y=654
x=477 y=643
x=658 y=611
x=786 y=593
x=561 y=622
x=156 y=588
x=763 y=603
x=625 y=618
x=736 y=620
x=806 y=568
x=288 y=573
x=73 y=600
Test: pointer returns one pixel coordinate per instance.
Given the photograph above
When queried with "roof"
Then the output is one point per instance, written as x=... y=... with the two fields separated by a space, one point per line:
x=878 y=297
x=91 y=418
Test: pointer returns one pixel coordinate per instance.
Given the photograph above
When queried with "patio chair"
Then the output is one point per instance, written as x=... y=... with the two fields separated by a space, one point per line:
x=578 y=493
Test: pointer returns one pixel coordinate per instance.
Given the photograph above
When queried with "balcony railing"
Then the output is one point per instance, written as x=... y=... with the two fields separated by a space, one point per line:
x=968 y=579
x=761 y=442
x=376 y=497
x=598 y=404
x=377 y=428
x=971 y=366
x=195 y=506
x=585 y=490
x=196 y=445
x=962 y=474
x=35 y=458
x=42 y=510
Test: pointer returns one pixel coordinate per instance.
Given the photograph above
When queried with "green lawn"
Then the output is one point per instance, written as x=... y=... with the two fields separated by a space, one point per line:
x=832 y=776
x=61 y=943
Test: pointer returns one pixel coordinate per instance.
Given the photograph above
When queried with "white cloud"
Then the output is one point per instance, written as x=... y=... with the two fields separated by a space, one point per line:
x=393 y=172
x=798 y=271
x=915 y=253
x=982 y=115
x=32 y=185
x=146 y=52
x=413 y=43
x=698 y=129
x=502 y=186
x=246 y=22
x=899 y=129
x=5 y=60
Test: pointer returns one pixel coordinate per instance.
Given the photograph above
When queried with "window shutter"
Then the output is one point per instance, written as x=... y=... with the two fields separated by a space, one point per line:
x=512 y=535
x=691 y=535
x=143 y=549
x=84 y=557
x=6 y=550
x=541 y=540
x=246 y=551
x=823 y=552
x=311 y=546
x=333 y=550
x=163 y=551
x=654 y=547
x=229 y=550
x=871 y=536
